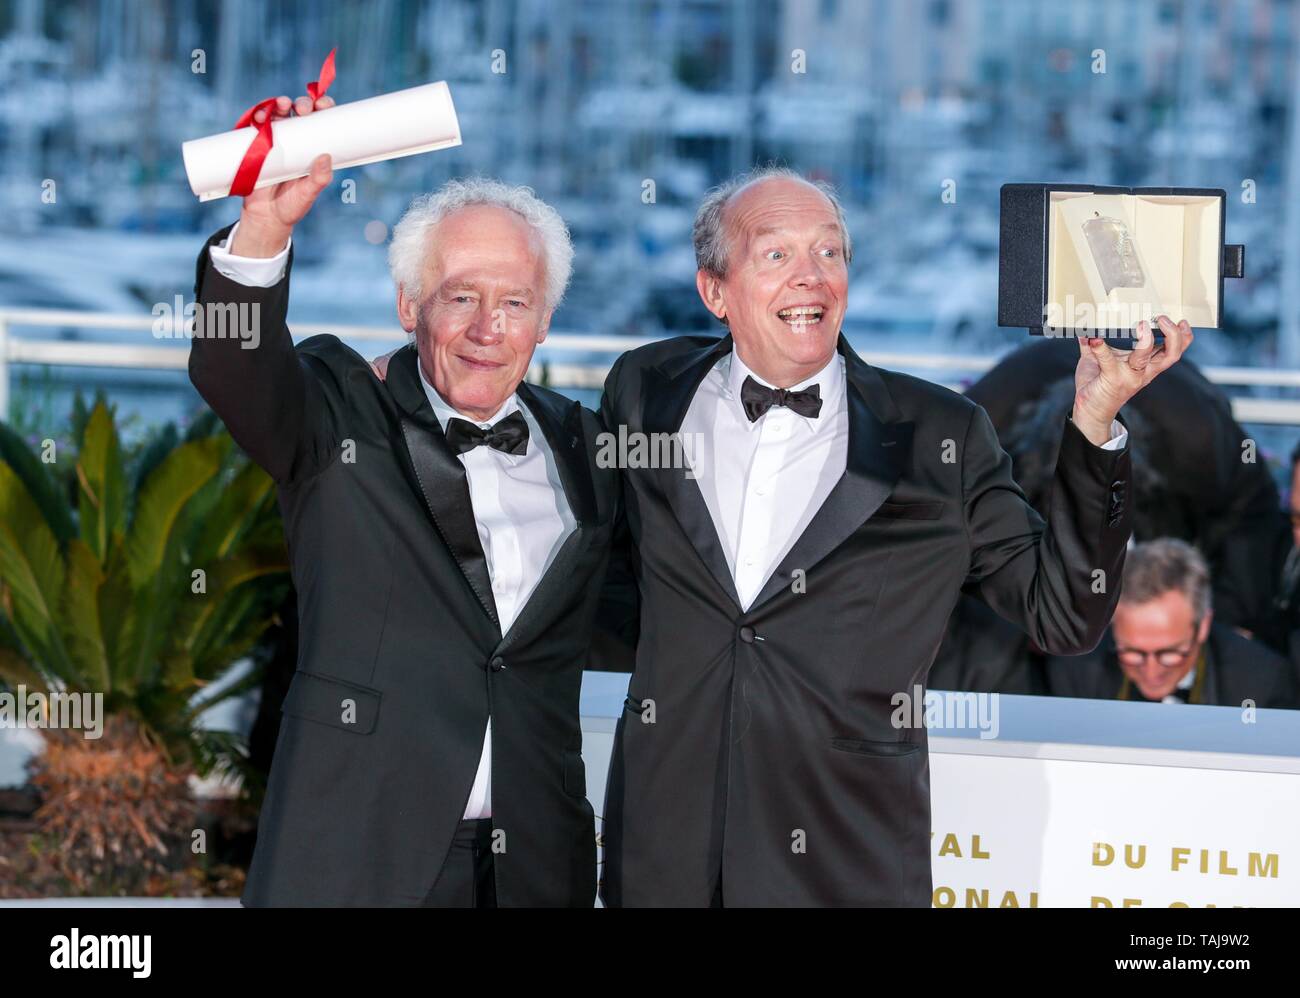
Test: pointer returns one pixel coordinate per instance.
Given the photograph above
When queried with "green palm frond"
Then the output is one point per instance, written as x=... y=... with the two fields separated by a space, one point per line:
x=31 y=572
x=210 y=620
x=98 y=570
x=80 y=617
x=16 y=671
x=239 y=508
x=162 y=499
x=101 y=480
x=41 y=484
x=162 y=443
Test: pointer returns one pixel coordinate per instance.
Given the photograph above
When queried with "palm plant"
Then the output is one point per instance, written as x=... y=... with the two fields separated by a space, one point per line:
x=144 y=577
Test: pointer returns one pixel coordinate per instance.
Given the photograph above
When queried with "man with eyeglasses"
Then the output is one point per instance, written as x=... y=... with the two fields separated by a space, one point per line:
x=1164 y=646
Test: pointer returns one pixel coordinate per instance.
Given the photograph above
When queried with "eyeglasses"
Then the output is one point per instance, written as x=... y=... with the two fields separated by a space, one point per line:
x=1167 y=658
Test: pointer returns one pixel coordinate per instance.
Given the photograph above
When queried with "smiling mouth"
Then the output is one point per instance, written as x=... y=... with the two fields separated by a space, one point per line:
x=801 y=317
x=479 y=365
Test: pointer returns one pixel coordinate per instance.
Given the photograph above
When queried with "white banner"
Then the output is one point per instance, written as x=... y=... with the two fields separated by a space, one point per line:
x=1102 y=827
x=1010 y=831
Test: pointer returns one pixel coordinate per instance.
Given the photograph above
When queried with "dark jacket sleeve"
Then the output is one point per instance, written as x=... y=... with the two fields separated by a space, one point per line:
x=243 y=363
x=1059 y=579
x=1251 y=670
x=618 y=618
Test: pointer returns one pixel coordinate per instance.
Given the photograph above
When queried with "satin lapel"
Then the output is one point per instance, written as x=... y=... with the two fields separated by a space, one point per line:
x=439 y=477
x=561 y=423
x=879 y=448
x=668 y=395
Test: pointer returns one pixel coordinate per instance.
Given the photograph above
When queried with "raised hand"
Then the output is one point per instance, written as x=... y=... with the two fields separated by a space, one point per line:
x=269 y=214
x=1106 y=378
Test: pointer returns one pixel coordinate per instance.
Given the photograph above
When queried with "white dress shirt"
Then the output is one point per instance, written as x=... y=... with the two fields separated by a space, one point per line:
x=523 y=519
x=763 y=482
x=250 y=271
x=520 y=509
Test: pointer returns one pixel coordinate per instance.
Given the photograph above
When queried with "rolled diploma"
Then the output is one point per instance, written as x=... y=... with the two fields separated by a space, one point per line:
x=403 y=123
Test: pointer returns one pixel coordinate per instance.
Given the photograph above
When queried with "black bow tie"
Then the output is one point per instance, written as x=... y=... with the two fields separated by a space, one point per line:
x=757 y=399
x=509 y=435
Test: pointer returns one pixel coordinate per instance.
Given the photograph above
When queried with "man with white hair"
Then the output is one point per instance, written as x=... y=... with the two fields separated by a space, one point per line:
x=443 y=526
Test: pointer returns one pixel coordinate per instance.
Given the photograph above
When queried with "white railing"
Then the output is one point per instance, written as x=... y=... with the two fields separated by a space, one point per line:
x=587 y=374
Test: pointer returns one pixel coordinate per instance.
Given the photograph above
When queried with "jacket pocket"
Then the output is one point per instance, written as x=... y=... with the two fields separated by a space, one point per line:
x=863 y=747
x=334 y=702
x=910 y=510
x=575 y=775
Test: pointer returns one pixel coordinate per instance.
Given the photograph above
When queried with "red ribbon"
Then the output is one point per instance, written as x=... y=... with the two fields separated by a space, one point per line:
x=250 y=167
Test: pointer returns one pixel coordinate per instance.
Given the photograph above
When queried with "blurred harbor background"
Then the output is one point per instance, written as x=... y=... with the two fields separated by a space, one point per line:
x=896 y=102
x=621 y=113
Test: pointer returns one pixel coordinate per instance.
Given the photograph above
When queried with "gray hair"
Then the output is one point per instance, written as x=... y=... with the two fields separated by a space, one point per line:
x=410 y=236
x=1153 y=568
x=713 y=241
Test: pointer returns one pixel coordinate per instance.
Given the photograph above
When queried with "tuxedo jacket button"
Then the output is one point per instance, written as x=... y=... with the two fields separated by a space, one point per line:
x=747 y=634
x=498 y=663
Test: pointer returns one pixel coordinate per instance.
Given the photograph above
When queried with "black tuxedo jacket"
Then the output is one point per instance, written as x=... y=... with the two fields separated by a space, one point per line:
x=1237 y=669
x=772 y=762
x=401 y=657
x=1204 y=492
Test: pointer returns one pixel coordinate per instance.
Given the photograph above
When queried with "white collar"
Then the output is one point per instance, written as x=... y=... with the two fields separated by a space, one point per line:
x=445 y=412
x=830 y=381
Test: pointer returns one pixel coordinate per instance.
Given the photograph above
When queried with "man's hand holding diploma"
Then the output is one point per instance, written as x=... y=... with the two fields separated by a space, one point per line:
x=270 y=213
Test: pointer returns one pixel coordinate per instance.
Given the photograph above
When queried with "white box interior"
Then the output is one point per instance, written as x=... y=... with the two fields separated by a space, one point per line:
x=1176 y=239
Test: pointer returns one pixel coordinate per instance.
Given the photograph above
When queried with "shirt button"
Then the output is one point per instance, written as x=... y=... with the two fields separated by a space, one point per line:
x=747 y=634
x=498 y=663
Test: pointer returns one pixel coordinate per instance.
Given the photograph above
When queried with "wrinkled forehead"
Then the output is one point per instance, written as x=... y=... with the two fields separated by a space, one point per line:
x=780 y=204
x=486 y=237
